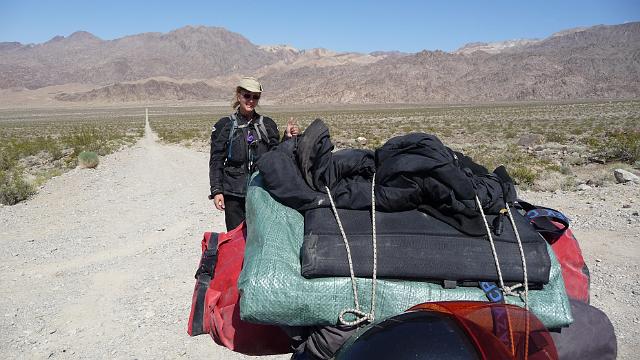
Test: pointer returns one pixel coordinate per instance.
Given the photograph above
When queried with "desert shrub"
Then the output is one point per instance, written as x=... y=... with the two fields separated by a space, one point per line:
x=88 y=159
x=553 y=181
x=6 y=161
x=577 y=130
x=84 y=139
x=565 y=169
x=13 y=188
x=510 y=134
x=556 y=136
x=374 y=142
x=552 y=167
x=523 y=167
x=43 y=176
x=181 y=135
x=569 y=184
x=179 y=130
x=14 y=149
x=600 y=178
x=601 y=175
x=523 y=175
x=623 y=146
x=592 y=141
x=19 y=148
x=574 y=160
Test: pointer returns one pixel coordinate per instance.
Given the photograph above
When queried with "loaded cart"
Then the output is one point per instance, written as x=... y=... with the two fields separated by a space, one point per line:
x=411 y=247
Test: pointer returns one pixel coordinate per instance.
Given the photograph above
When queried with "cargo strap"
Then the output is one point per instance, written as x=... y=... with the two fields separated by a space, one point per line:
x=360 y=316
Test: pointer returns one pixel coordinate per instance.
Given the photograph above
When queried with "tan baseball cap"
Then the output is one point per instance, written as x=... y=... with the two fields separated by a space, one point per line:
x=250 y=84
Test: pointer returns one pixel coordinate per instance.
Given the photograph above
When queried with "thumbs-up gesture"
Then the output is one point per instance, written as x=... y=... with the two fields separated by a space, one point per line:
x=292 y=128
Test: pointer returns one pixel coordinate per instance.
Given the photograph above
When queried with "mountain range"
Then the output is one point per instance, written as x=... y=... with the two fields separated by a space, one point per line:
x=201 y=64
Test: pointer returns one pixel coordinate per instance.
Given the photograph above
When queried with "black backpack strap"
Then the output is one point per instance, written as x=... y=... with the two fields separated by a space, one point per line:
x=261 y=130
x=542 y=217
x=234 y=125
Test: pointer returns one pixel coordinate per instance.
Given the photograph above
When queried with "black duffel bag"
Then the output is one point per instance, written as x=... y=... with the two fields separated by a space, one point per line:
x=413 y=244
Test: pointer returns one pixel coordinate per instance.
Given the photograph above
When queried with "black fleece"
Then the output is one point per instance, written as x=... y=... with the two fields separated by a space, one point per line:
x=414 y=171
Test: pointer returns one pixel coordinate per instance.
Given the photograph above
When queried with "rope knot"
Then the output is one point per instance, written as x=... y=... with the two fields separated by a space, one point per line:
x=506 y=290
x=360 y=317
x=510 y=290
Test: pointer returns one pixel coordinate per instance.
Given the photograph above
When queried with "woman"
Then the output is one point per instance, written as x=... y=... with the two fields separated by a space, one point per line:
x=237 y=141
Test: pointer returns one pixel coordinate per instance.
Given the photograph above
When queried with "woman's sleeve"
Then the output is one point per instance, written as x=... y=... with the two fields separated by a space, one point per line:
x=272 y=132
x=219 y=137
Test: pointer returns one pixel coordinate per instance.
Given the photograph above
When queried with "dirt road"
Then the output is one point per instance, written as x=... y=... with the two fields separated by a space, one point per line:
x=100 y=263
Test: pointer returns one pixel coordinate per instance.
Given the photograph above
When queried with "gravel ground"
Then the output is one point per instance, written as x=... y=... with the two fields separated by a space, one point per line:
x=606 y=222
x=100 y=263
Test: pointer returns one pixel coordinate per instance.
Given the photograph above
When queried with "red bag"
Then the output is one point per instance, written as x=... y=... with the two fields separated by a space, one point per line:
x=574 y=270
x=219 y=312
x=554 y=227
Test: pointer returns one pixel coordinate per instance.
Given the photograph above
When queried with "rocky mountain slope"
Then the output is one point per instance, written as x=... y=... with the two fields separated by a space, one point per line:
x=595 y=63
x=199 y=63
x=148 y=90
x=189 y=52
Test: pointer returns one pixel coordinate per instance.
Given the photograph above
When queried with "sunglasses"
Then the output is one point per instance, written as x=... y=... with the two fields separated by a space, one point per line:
x=248 y=96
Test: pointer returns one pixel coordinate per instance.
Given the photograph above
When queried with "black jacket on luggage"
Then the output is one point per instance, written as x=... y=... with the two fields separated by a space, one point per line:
x=414 y=171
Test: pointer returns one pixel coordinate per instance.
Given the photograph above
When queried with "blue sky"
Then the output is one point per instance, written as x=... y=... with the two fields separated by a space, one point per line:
x=363 y=26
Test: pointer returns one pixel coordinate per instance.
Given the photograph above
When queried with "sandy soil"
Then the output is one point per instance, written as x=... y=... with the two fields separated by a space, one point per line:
x=100 y=263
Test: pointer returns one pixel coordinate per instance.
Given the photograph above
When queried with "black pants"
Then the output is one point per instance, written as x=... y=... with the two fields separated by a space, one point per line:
x=234 y=211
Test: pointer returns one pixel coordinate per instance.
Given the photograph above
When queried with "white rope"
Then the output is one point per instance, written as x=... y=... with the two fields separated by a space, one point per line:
x=375 y=248
x=524 y=261
x=360 y=316
x=526 y=281
x=507 y=290
x=493 y=246
x=346 y=244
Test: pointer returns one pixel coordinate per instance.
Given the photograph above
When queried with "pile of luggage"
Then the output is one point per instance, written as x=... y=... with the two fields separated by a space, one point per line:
x=354 y=236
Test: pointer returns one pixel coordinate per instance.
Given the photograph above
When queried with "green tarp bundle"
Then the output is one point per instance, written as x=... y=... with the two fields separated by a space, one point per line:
x=274 y=292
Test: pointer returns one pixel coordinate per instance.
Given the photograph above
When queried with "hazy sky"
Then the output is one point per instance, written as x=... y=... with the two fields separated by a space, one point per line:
x=363 y=26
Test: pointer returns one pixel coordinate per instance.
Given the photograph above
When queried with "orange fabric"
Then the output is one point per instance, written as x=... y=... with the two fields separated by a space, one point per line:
x=499 y=331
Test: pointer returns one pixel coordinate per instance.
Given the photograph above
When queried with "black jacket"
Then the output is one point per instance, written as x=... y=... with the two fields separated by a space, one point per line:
x=231 y=162
x=415 y=171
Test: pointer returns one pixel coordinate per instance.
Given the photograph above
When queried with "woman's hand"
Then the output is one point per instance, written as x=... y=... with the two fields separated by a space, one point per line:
x=218 y=201
x=292 y=128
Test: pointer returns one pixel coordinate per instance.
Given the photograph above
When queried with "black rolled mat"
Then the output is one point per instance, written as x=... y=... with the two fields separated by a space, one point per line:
x=413 y=244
